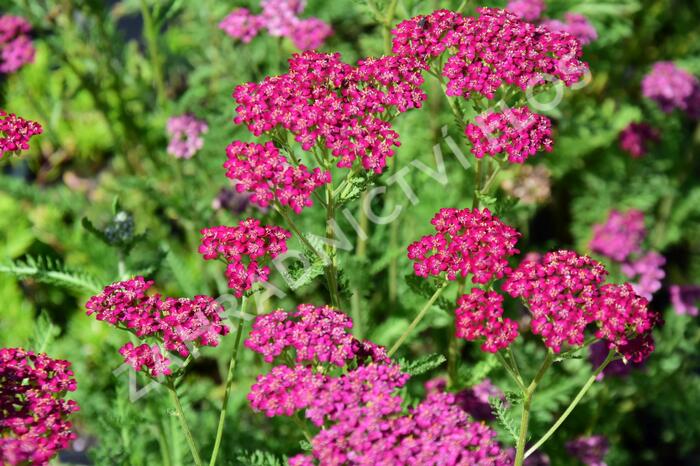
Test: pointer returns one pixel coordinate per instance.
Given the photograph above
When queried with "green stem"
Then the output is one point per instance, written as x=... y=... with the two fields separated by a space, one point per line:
x=229 y=383
x=527 y=404
x=506 y=365
x=477 y=184
x=453 y=343
x=183 y=423
x=151 y=35
x=302 y=427
x=417 y=320
x=574 y=403
x=331 y=268
x=360 y=253
x=388 y=19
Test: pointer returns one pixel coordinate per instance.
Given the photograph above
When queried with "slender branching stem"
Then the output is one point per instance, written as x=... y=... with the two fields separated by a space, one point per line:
x=183 y=423
x=417 y=320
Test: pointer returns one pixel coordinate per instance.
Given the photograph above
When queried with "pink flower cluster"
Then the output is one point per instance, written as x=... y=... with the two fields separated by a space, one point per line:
x=480 y=315
x=528 y=10
x=685 y=298
x=264 y=172
x=647 y=271
x=34 y=423
x=635 y=139
x=15 y=132
x=16 y=47
x=590 y=451
x=174 y=323
x=620 y=236
x=672 y=88
x=468 y=241
x=575 y=24
x=518 y=132
x=185 y=136
x=475 y=400
x=561 y=291
x=340 y=108
x=490 y=50
x=280 y=18
x=244 y=248
x=284 y=390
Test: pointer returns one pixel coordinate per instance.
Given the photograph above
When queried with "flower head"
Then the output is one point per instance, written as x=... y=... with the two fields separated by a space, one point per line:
x=34 y=416
x=685 y=298
x=647 y=271
x=620 y=236
x=468 y=241
x=480 y=315
x=670 y=86
x=15 y=132
x=16 y=48
x=242 y=24
x=528 y=10
x=266 y=174
x=244 y=248
x=185 y=136
x=517 y=132
x=575 y=24
x=635 y=139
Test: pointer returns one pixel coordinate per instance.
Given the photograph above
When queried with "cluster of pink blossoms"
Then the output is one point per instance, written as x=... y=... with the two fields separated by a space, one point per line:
x=517 y=132
x=590 y=451
x=480 y=315
x=575 y=24
x=635 y=139
x=185 y=136
x=672 y=88
x=561 y=290
x=244 y=248
x=468 y=241
x=174 y=323
x=16 y=48
x=473 y=400
x=281 y=19
x=620 y=236
x=265 y=173
x=492 y=49
x=15 y=132
x=34 y=423
x=341 y=108
x=647 y=272
x=685 y=299
x=528 y=10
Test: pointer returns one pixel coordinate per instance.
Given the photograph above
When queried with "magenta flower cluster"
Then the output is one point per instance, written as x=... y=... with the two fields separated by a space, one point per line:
x=175 y=324
x=479 y=315
x=561 y=292
x=575 y=24
x=590 y=451
x=34 y=414
x=490 y=50
x=646 y=271
x=281 y=19
x=16 y=48
x=185 y=133
x=335 y=107
x=620 y=236
x=475 y=400
x=15 y=132
x=265 y=173
x=468 y=241
x=528 y=10
x=636 y=137
x=685 y=299
x=517 y=132
x=244 y=248
x=672 y=88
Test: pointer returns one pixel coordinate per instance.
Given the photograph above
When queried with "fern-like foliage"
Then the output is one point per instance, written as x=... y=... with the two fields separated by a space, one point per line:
x=53 y=272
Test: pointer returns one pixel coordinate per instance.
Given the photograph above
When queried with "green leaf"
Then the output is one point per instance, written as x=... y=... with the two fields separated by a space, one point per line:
x=423 y=364
x=45 y=332
x=503 y=417
x=258 y=458
x=53 y=272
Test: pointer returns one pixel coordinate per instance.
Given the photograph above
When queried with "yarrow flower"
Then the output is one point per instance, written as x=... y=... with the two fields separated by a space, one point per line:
x=15 y=132
x=517 y=132
x=281 y=19
x=244 y=248
x=493 y=49
x=620 y=236
x=185 y=136
x=480 y=315
x=175 y=323
x=561 y=290
x=669 y=86
x=242 y=24
x=34 y=414
x=475 y=400
x=468 y=241
x=635 y=139
x=265 y=173
x=685 y=298
x=328 y=104
x=16 y=48
x=575 y=24
x=590 y=451
x=647 y=272
x=531 y=184
x=528 y=10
